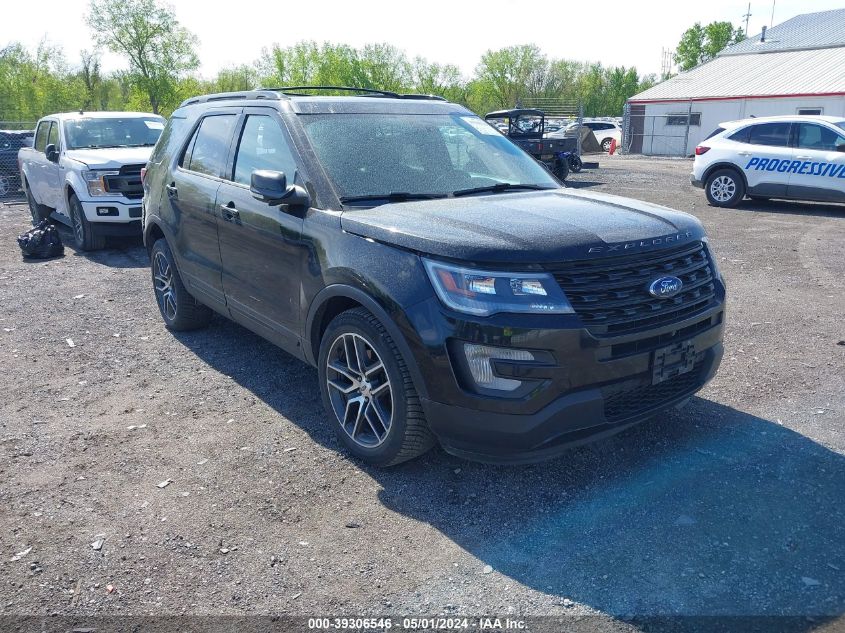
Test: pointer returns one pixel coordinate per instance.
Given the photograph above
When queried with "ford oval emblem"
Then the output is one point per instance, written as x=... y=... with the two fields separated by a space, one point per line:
x=665 y=287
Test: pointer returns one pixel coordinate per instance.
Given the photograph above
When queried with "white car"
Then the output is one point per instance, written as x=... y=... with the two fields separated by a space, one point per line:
x=793 y=157
x=85 y=170
x=604 y=131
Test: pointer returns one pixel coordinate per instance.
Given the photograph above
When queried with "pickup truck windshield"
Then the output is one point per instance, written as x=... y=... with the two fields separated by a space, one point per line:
x=377 y=155
x=90 y=133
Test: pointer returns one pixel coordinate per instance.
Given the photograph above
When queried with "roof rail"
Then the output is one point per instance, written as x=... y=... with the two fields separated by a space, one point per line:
x=295 y=91
x=226 y=96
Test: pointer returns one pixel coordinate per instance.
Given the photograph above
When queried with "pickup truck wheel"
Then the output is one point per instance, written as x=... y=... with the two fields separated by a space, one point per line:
x=724 y=188
x=368 y=392
x=37 y=211
x=84 y=234
x=178 y=308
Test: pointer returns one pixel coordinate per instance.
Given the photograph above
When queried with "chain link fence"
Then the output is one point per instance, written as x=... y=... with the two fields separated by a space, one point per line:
x=659 y=133
x=13 y=136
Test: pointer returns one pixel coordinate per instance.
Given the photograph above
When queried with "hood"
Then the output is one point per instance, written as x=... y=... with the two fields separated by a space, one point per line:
x=110 y=157
x=524 y=228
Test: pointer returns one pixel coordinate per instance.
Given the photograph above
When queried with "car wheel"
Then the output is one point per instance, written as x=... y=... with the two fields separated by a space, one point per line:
x=178 y=308
x=575 y=164
x=38 y=211
x=368 y=392
x=85 y=235
x=605 y=144
x=561 y=168
x=724 y=188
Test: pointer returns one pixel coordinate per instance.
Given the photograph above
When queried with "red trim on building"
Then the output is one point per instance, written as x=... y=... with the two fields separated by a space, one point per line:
x=695 y=99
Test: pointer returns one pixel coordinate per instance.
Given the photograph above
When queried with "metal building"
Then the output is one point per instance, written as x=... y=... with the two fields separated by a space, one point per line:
x=797 y=67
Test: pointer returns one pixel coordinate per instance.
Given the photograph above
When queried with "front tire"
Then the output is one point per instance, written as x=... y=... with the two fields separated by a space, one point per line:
x=575 y=164
x=85 y=235
x=724 y=188
x=368 y=392
x=178 y=308
x=605 y=145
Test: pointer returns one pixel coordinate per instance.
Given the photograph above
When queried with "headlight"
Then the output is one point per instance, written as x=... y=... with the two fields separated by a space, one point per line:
x=484 y=293
x=95 y=180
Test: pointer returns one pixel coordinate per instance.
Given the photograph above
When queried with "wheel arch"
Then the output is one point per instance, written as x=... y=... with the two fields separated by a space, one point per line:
x=724 y=165
x=337 y=298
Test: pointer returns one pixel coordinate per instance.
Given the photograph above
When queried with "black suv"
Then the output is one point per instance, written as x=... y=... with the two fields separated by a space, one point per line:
x=444 y=284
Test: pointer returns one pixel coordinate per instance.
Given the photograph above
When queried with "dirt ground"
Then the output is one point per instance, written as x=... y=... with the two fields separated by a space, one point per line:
x=733 y=506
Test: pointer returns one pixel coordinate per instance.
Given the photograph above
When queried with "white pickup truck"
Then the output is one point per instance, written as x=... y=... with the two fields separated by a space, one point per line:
x=84 y=170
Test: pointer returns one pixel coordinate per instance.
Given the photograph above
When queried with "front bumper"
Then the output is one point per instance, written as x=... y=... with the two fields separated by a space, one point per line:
x=594 y=388
x=695 y=182
x=113 y=211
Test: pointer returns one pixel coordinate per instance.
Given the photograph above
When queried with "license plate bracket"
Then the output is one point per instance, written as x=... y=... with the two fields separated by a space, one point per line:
x=672 y=361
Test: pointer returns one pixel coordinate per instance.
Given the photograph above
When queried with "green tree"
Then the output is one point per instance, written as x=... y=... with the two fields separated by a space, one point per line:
x=700 y=44
x=160 y=51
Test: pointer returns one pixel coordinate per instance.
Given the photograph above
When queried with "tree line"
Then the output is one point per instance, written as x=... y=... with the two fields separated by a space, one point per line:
x=162 y=71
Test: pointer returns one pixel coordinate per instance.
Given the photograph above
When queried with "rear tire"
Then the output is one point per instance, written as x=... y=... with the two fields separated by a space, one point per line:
x=85 y=235
x=575 y=164
x=368 y=392
x=724 y=188
x=178 y=308
x=38 y=211
x=561 y=169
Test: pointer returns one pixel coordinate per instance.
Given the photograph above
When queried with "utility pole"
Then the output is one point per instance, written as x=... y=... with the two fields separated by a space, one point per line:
x=772 y=21
x=747 y=16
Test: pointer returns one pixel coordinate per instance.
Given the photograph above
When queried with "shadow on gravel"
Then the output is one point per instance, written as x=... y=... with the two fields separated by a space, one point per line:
x=120 y=252
x=582 y=184
x=789 y=207
x=707 y=511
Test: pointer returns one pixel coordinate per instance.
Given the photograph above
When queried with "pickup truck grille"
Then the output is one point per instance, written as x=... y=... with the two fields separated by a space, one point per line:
x=127 y=183
x=611 y=294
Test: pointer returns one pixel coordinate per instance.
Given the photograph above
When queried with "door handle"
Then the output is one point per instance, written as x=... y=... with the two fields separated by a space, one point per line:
x=172 y=191
x=803 y=157
x=744 y=153
x=230 y=213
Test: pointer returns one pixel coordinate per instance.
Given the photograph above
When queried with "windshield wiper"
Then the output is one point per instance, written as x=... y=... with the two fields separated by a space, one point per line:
x=393 y=196
x=501 y=186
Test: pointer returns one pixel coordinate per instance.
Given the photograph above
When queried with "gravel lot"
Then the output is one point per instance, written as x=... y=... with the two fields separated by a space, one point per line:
x=732 y=507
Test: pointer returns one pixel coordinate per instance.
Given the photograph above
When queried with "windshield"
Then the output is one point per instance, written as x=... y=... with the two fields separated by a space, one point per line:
x=113 y=132
x=437 y=154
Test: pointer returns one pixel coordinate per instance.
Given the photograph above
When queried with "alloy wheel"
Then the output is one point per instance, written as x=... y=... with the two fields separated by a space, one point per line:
x=163 y=277
x=78 y=229
x=723 y=188
x=360 y=391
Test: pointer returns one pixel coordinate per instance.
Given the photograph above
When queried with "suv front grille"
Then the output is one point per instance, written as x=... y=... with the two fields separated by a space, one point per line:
x=611 y=294
x=127 y=183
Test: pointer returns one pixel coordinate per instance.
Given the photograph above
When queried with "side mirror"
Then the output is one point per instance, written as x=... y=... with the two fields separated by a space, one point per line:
x=52 y=153
x=271 y=187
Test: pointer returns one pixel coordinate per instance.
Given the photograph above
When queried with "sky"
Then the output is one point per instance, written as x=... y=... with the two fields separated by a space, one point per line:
x=614 y=32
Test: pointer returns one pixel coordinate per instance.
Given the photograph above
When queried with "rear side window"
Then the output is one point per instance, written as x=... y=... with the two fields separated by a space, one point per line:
x=209 y=147
x=263 y=146
x=773 y=134
x=41 y=136
x=741 y=136
x=718 y=130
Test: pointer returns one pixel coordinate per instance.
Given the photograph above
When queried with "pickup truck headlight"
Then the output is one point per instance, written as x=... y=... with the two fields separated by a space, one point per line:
x=484 y=293
x=95 y=179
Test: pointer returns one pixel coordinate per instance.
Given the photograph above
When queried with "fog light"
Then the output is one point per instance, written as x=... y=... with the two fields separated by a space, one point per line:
x=479 y=359
x=106 y=211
